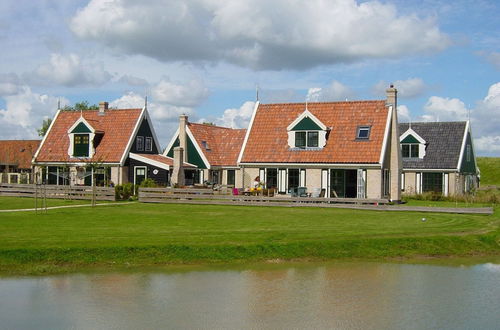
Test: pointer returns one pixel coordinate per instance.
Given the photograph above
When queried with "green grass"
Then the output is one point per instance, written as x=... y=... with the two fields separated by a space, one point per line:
x=490 y=170
x=16 y=203
x=151 y=234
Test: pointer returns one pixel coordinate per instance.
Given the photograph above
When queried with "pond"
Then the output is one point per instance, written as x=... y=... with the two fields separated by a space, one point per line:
x=311 y=296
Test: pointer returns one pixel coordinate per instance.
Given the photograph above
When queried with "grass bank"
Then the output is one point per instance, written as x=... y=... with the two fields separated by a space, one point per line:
x=147 y=234
x=490 y=170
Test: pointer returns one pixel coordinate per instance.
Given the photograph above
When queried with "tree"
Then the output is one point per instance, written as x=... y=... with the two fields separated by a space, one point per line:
x=83 y=105
x=45 y=126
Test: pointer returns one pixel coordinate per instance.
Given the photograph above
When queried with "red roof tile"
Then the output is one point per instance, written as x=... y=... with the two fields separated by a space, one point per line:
x=18 y=152
x=117 y=125
x=224 y=144
x=268 y=138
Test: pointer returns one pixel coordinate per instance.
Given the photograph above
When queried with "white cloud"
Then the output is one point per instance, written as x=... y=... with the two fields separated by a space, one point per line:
x=259 y=34
x=132 y=80
x=182 y=95
x=492 y=57
x=444 y=109
x=488 y=144
x=9 y=84
x=69 y=70
x=403 y=113
x=236 y=117
x=409 y=88
x=336 y=91
x=24 y=113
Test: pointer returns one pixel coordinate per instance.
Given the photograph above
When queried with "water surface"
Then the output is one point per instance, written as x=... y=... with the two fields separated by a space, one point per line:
x=343 y=296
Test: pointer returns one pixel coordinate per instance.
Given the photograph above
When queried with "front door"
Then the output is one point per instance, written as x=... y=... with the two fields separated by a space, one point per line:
x=139 y=175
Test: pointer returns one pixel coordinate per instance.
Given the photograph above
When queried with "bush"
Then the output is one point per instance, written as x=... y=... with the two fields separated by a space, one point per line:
x=124 y=192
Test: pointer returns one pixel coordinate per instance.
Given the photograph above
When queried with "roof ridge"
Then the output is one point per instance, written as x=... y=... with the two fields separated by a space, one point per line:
x=322 y=102
x=214 y=126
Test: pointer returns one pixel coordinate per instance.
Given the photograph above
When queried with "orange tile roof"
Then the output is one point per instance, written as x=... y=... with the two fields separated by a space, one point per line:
x=224 y=144
x=268 y=138
x=117 y=125
x=18 y=152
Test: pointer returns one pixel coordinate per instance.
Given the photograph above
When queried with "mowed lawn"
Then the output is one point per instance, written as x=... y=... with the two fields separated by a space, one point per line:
x=16 y=203
x=140 y=225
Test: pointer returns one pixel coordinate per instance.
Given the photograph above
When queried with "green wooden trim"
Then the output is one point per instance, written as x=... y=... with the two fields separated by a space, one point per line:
x=81 y=145
x=410 y=139
x=306 y=124
x=81 y=128
x=468 y=166
x=193 y=157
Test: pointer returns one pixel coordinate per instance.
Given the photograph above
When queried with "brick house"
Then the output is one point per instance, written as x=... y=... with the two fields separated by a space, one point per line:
x=15 y=160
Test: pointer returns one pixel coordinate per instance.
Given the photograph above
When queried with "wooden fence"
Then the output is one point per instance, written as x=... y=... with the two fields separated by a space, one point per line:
x=208 y=196
x=54 y=191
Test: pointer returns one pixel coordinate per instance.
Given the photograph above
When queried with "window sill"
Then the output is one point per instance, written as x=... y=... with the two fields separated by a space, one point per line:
x=306 y=149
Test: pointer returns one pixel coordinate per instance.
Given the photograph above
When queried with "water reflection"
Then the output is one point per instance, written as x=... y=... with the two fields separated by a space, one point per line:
x=355 y=295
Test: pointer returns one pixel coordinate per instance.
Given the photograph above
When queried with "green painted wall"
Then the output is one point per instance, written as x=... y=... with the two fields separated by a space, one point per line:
x=410 y=139
x=193 y=156
x=81 y=128
x=306 y=124
x=468 y=166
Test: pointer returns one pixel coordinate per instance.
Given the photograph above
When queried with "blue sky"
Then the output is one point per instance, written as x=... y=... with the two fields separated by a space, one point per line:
x=206 y=57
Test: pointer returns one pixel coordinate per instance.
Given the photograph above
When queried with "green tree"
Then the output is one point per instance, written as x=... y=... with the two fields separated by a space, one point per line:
x=45 y=126
x=83 y=105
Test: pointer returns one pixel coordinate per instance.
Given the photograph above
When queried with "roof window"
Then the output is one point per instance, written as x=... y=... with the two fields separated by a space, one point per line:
x=363 y=133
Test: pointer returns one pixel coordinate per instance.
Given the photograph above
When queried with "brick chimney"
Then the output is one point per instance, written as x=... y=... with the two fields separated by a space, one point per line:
x=102 y=107
x=177 y=177
x=183 y=120
x=395 y=162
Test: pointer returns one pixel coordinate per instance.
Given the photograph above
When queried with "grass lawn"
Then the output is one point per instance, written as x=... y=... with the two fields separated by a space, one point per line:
x=148 y=234
x=490 y=170
x=16 y=203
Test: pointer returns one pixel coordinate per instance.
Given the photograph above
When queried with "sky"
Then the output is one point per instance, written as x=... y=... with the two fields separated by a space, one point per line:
x=208 y=58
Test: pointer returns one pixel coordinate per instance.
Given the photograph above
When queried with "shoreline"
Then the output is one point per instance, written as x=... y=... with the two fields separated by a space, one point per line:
x=53 y=261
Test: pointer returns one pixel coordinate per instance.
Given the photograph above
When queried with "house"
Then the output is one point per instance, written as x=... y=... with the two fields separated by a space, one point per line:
x=210 y=151
x=438 y=157
x=15 y=160
x=111 y=145
x=335 y=149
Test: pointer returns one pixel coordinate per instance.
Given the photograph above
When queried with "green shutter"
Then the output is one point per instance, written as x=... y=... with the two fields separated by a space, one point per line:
x=306 y=124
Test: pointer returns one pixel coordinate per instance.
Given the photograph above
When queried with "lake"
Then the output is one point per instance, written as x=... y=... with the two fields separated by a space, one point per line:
x=302 y=296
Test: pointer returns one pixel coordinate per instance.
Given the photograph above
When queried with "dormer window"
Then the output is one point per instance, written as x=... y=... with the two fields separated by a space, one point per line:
x=139 y=143
x=149 y=144
x=81 y=145
x=412 y=145
x=363 y=133
x=82 y=139
x=306 y=132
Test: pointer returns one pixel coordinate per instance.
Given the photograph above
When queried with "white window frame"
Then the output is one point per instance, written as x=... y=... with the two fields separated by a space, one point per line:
x=148 y=143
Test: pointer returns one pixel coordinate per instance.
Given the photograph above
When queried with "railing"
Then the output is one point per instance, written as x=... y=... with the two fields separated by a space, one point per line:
x=208 y=196
x=54 y=191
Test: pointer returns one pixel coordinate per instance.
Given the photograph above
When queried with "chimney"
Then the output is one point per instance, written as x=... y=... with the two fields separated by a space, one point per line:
x=395 y=161
x=102 y=107
x=177 y=177
x=183 y=120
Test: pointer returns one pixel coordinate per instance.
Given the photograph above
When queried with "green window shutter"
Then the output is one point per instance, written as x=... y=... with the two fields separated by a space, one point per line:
x=81 y=145
x=306 y=124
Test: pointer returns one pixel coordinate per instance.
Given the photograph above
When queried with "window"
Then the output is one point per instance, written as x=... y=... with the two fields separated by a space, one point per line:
x=309 y=139
x=363 y=133
x=271 y=178
x=410 y=150
x=312 y=139
x=205 y=146
x=300 y=139
x=149 y=144
x=468 y=153
x=231 y=177
x=81 y=145
x=293 y=178
x=432 y=182
x=139 y=144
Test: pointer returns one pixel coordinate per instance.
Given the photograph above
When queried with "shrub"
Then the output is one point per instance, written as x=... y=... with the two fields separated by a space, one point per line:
x=124 y=192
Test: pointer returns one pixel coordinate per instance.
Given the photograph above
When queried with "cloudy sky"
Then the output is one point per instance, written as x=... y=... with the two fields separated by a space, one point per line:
x=206 y=57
